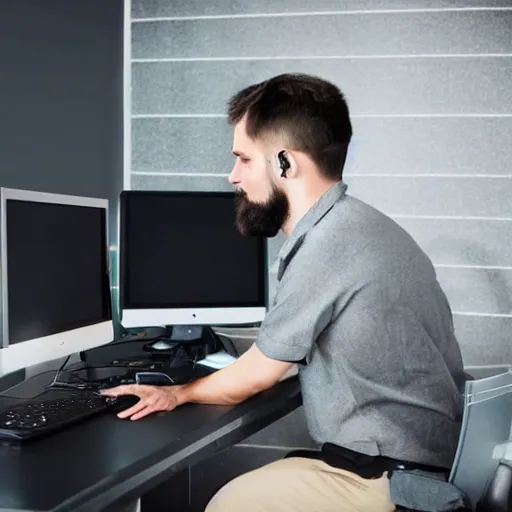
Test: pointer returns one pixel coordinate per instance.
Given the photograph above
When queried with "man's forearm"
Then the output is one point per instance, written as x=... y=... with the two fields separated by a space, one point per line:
x=249 y=375
x=216 y=389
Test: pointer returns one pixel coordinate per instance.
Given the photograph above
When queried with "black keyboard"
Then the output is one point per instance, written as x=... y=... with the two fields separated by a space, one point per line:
x=53 y=410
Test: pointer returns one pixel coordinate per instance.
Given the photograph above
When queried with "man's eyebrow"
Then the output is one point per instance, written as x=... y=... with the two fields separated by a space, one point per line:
x=239 y=154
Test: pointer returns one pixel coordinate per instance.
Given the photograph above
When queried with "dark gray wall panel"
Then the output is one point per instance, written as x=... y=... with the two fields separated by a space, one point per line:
x=427 y=86
x=404 y=34
x=61 y=84
x=152 y=8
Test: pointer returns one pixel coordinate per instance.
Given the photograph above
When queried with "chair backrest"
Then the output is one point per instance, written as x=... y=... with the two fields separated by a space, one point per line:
x=486 y=423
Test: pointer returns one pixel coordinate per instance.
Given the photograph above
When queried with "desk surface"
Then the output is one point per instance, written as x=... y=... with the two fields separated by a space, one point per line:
x=91 y=465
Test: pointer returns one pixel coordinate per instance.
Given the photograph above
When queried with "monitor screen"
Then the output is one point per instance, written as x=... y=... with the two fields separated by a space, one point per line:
x=55 y=275
x=181 y=256
x=57 y=268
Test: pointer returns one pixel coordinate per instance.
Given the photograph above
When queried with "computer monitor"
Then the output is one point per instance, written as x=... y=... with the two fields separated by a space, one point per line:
x=55 y=277
x=184 y=263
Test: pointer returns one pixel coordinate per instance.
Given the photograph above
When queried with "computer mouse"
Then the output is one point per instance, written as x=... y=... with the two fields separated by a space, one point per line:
x=162 y=345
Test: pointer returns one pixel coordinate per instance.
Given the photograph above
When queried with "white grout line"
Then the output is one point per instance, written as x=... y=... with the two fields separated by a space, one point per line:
x=127 y=101
x=181 y=174
x=324 y=57
x=459 y=115
x=425 y=175
x=471 y=267
x=489 y=315
x=320 y=13
x=353 y=116
x=178 y=116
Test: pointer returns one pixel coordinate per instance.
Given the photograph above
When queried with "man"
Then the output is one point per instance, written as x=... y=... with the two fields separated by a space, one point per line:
x=357 y=307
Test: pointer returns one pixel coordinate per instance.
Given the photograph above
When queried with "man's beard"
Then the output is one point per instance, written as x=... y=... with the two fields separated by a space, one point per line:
x=262 y=219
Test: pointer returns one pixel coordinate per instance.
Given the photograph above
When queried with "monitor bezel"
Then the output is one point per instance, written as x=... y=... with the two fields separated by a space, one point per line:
x=194 y=314
x=46 y=348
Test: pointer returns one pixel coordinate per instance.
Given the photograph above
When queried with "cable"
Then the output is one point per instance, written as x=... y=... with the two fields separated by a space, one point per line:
x=63 y=365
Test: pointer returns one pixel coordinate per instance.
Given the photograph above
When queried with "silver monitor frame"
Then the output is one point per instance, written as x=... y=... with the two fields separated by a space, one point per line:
x=31 y=352
x=133 y=317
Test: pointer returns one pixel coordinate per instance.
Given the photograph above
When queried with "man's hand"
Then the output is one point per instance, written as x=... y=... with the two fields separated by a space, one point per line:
x=250 y=374
x=152 y=399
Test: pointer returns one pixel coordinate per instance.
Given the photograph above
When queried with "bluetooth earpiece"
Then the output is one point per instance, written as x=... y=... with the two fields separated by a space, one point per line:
x=284 y=164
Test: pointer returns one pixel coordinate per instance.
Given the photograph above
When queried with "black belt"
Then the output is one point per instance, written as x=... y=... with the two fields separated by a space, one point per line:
x=366 y=466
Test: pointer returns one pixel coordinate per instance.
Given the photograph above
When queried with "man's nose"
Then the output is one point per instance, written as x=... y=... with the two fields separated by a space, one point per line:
x=234 y=178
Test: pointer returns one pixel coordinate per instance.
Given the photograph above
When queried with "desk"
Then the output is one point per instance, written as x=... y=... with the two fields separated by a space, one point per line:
x=92 y=465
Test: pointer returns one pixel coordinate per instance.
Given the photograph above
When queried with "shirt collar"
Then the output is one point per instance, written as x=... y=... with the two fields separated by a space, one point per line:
x=326 y=201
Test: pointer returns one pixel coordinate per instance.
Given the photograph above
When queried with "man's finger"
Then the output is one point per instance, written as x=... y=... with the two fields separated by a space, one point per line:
x=132 y=410
x=126 y=389
x=144 y=412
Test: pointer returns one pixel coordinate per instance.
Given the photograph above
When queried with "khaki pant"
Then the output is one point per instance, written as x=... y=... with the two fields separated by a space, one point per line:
x=302 y=485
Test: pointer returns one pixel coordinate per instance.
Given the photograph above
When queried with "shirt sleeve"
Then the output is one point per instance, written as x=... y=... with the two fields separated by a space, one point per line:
x=302 y=309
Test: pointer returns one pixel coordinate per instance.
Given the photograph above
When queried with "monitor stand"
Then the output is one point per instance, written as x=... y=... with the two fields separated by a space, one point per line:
x=186 y=335
x=181 y=333
x=201 y=334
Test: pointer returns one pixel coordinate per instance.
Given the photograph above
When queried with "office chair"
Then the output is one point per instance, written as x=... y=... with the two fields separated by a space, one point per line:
x=483 y=460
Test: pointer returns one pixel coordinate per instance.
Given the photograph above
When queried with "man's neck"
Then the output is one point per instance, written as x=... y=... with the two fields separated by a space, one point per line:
x=304 y=199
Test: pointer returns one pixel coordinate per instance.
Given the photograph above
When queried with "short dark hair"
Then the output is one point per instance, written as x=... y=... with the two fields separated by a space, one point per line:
x=310 y=112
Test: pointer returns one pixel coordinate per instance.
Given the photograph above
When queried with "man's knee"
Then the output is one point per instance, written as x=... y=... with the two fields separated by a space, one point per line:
x=234 y=496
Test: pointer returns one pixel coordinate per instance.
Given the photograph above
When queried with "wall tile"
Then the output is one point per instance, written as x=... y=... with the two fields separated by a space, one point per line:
x=434 y=196
x=182 y=145
x=427 y=86
x=410 y=146
x=164 y=182
x=484 y=340
x=403 y=33
x=152 y=8
x=477 y=290
x=463 y=242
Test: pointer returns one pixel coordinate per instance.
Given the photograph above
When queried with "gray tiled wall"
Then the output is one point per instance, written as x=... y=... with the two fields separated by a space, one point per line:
x=429 y=86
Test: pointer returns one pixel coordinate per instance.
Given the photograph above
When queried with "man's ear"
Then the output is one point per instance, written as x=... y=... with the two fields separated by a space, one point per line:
x=286 y=163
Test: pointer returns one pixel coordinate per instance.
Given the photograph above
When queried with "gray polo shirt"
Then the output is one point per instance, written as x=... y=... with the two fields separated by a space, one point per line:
x=358 y=303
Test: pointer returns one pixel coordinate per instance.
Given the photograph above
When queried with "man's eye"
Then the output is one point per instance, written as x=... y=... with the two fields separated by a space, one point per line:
x=245 y=160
